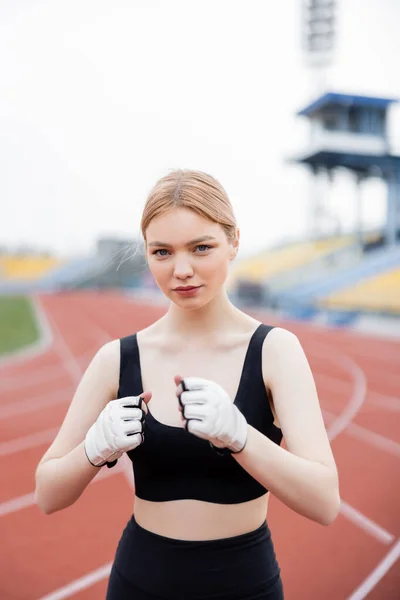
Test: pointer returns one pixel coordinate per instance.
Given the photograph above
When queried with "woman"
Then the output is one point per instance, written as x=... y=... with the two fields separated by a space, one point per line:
x=199 y=401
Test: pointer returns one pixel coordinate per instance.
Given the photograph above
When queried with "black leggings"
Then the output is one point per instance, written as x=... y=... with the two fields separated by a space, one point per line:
x=148 y=566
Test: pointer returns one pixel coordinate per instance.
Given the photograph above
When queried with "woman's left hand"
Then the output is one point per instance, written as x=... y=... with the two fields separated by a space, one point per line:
x=210 y=414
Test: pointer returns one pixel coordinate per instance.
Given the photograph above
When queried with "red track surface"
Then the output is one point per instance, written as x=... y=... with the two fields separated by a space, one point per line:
x=358 y=381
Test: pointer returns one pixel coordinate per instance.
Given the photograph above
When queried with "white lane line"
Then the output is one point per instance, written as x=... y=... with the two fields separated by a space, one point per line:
x=28 y=441
x=359 y=390
x=48 y=399
x=355 y=431
x=34 y=403
x=53 y=372
x=355 y=403
x=40 y=346
x=368 y=436
x=375 y=439
x=367 y=350
x=366 y=524
x=363 y=590
x=47 y=374
x=344 y=423
x=17 y=503
x=381 y=400
x=68 y=359
x=79 y=584
x=74 y=369
x=20 y=502
x=377 y=574
x=352 y=514
x=101 y=336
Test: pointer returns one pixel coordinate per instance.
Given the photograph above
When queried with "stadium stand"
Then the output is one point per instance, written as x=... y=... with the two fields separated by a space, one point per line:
x=373 y=264
x=26 y=267
x=274 y=262
x=115 y=264
x=378 y=294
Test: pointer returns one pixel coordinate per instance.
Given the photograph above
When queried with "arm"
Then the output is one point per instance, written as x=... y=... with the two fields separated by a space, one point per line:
x=304 y=476
x=64 y=471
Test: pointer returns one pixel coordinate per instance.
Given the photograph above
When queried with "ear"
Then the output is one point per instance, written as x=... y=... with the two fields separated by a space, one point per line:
x=145 y=252
x=235 y=244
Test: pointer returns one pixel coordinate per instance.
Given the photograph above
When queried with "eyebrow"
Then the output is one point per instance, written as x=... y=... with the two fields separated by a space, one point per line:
x=204 y=238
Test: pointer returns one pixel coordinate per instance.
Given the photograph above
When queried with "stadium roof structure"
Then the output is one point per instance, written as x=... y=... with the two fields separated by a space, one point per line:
x=334 y=99
x=361 y=163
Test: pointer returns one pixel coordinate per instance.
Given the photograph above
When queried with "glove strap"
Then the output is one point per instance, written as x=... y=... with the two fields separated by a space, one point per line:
x=221 y=451
x=110 y=464
x=226 y=451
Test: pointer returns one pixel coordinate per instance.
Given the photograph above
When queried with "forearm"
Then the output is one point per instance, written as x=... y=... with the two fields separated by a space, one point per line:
x=60 y=481
x=309 y=488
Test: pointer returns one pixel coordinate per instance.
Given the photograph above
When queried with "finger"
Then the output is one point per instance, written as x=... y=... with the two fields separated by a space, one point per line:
x=146 y=396
x=197 y=397
x=198 y=428
x=179 y=390
x=132 y=427
x=136 y=400
x=180 y=386
x=131 y=442
x=195 y=411
x=195 y=383
x=130 y=402
x=130 y=414
x=177 y=379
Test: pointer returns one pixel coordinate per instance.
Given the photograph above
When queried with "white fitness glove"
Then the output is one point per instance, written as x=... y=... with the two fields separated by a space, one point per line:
x=118 y=429
x=211 y=415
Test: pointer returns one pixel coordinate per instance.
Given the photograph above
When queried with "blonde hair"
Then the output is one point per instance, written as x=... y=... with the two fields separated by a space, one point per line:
x=194 y=190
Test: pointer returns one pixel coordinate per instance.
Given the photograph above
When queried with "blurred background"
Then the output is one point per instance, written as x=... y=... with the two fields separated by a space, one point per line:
x=98 y=100
x=294 y=107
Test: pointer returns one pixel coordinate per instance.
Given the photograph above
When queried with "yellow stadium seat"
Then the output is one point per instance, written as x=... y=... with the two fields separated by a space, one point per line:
x=30 y=267
x=380 y=293
x=273 y=262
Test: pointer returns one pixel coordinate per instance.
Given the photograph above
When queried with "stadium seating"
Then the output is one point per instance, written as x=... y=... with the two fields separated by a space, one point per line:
x=271 y=263
x=27 y=267
x=379 y=294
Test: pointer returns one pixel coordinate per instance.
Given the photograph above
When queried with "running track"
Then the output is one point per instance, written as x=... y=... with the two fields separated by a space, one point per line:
x=68 y=554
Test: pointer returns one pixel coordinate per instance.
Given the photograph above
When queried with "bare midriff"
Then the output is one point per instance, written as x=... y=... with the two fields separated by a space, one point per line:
x=195 y=520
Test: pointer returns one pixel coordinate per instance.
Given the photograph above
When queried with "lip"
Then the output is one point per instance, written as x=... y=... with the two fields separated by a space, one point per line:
x=189 y=290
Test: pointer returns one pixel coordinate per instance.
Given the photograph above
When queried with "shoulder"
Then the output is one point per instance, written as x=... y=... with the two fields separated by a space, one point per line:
x=105 y=364
x=280 y=339
x=281 y=351
x=110 y=351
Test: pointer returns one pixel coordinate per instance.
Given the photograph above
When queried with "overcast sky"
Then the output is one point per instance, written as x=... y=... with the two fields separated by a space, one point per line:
x=100 y=98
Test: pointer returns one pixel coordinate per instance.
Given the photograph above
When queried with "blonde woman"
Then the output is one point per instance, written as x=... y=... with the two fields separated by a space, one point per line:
x=199 y=401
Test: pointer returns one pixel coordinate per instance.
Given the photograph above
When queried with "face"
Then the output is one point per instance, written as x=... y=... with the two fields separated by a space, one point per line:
x=188 y=256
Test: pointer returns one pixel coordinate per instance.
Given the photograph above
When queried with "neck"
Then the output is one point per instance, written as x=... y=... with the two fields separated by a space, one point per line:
x=212 y=318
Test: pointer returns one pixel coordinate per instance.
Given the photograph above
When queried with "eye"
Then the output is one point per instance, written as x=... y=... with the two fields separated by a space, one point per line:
x=162 y=252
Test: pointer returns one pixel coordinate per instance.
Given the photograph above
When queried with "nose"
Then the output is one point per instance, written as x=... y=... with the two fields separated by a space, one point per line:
x=183 y=268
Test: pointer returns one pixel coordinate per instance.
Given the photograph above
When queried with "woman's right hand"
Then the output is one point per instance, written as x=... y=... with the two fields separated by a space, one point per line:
x=118 y=429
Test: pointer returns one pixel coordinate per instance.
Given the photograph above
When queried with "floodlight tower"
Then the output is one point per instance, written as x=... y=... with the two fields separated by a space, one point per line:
x=318 y=37
x=346 y=130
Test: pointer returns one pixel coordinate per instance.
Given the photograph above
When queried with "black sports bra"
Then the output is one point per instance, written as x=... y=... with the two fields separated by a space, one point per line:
x=173 y=464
